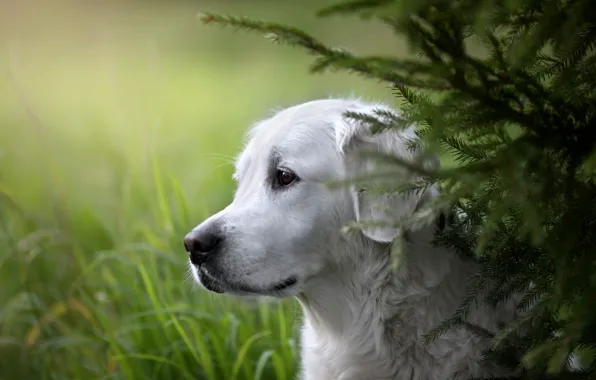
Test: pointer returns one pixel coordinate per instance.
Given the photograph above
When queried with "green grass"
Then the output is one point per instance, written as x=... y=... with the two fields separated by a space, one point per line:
x=117 y=129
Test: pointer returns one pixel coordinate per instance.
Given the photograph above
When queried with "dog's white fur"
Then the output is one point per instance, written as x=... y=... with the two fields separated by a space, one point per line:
x=363 y=320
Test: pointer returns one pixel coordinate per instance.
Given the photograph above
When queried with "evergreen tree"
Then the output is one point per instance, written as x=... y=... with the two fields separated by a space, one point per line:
x=520 y=119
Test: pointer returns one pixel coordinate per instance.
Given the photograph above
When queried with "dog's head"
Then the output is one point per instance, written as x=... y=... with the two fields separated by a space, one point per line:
x=284 y=225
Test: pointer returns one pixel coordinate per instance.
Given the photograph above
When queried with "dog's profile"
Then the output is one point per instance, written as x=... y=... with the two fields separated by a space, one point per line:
x=282 y=236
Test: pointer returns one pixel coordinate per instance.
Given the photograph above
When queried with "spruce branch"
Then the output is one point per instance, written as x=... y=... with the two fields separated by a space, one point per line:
x=364 y=7
x=376 y=67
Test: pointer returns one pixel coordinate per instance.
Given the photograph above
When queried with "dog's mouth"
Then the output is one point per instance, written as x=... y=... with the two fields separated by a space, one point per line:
x=286 y=283
x=215 y=284
x=210 y=282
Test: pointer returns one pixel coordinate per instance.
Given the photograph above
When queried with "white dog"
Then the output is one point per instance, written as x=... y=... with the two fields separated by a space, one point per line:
x=282 y=236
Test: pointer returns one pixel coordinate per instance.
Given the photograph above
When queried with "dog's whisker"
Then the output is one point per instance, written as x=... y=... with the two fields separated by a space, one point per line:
x=218 y=155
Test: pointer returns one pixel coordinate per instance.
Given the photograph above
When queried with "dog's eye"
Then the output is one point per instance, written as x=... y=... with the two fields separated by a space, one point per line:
x=285 y=177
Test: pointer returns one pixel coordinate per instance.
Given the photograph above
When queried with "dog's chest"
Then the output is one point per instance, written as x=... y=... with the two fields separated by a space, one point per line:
x=398 y=357
x=395 y=354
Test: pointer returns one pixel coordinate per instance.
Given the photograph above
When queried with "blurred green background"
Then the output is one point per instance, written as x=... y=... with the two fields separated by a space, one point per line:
x=119 y=121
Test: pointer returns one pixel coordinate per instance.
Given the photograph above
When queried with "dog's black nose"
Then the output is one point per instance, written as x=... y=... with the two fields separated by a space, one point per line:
x=201 y=243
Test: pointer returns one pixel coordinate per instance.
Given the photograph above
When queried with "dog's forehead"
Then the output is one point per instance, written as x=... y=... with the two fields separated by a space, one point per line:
x=294 y=132
x=296 y=125
x=293 y=138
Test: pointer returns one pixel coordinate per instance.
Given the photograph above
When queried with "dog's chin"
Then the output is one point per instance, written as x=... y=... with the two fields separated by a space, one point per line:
x=210 y=283
x=219 y=284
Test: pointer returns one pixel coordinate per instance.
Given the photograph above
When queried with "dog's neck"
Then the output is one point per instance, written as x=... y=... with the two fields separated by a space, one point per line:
x=367 y=284
x=365 y=308
x=347 y=293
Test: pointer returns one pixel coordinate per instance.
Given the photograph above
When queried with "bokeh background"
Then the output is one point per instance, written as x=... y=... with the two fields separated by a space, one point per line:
x=119 y=122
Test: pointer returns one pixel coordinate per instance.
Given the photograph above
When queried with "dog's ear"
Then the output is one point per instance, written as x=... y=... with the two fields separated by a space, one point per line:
x=353 y=138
